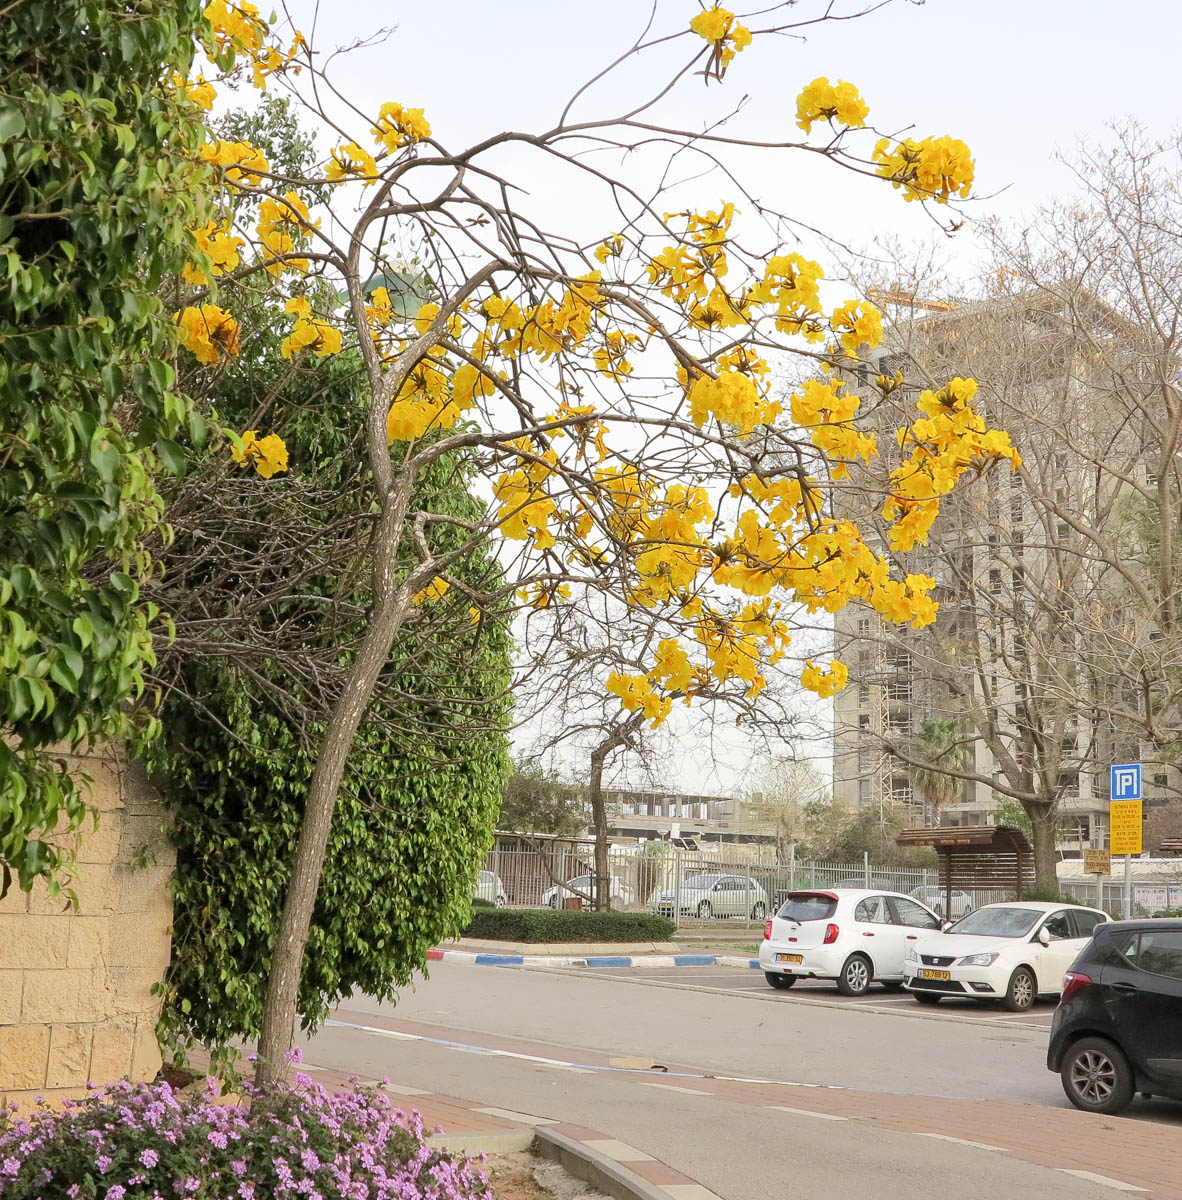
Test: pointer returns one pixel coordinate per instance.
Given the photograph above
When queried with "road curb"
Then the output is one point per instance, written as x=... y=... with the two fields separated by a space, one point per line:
x=615 y=961
x=606 y=1174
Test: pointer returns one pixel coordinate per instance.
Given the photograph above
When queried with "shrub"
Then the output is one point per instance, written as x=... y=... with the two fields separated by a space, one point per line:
x=130 y=1141
x=567 y=925
x=477 y=902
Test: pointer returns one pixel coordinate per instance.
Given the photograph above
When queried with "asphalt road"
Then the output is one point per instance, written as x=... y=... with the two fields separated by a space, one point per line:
x=739 y=1151
x=810 y=1037
x=879 y=999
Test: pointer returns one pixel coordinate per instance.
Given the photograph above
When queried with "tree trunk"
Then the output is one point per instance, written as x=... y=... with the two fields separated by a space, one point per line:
x=280 y=1009
x=601 y=883
x=1043 y=820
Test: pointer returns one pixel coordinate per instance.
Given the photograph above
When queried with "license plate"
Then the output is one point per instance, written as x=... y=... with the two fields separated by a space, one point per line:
x=790 y=958
x=935 y=974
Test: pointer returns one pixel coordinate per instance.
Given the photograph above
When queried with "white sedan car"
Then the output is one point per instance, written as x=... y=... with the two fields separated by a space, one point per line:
x=854 y=936
x=1010 y=953
x=581 y=886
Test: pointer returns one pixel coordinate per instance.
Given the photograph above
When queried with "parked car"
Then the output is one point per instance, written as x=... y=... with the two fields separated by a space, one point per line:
x=708 y=896
x=1011 y=953
x=878 y=882
x=489 y=887
x=1118 y=1027
x=936 y=897
x=581 y=886
x=853 y=936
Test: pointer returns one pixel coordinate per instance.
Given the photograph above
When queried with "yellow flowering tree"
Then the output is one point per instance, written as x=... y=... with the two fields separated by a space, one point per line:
x=616 y=392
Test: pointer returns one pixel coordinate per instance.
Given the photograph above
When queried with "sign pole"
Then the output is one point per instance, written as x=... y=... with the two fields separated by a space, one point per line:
x=1099 y=890
x=1124 y=821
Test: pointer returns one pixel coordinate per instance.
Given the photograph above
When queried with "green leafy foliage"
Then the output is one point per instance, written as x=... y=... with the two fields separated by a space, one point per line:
x=543 y=925
x=535 y=802
x=99 y=191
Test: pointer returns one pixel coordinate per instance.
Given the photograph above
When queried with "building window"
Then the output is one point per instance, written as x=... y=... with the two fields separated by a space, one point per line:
x=1161 y=780
x=863 y=627
x=995 y=580
x=863 y=791
x=863 y=695
x=864 y=721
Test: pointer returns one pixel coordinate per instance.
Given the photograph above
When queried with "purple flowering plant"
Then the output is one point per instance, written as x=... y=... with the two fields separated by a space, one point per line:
x=302 y=1142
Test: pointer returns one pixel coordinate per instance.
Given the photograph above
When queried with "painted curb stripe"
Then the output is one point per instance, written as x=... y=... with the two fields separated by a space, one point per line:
x=652 y=961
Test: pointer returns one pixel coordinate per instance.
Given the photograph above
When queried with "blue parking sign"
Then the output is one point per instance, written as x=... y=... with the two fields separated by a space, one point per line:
x=1124 y=781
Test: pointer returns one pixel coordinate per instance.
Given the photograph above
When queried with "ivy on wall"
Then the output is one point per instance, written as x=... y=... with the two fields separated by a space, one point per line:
x=98 y=189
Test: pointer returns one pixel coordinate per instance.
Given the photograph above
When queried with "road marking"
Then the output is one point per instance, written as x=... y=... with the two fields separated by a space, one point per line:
x=804 y=1112
x=670 y=1087
x=396 y=1089
x=1092 y=1177
x=619 y=1151
x=507 y=1114
x=943 y=1137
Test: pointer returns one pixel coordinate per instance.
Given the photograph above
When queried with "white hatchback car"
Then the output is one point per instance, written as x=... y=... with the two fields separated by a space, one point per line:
x=852 y=935
x=1010 y=953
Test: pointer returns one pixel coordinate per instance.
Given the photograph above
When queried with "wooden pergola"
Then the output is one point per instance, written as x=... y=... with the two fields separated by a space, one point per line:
x=977 y=856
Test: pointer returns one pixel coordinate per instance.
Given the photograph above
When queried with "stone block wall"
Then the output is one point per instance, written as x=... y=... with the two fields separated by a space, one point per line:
x=75 y=984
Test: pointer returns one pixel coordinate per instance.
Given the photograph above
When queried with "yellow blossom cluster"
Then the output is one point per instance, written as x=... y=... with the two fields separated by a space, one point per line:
x=282 y=228
x=635 y=692
x=856 y=324
x=241 y=161
x=525 y=505
x=351 y=161
x=825 y=683
x=826 y=411
x=929 y=169
x=209 y=332
x=726 y=35
x=309 y=332
x=950 y=439
x=268 y=455
x=733 y=399
x=236 y=25
x=396 y=126
x=198 y=91
x=825 y=101
x=219 y=243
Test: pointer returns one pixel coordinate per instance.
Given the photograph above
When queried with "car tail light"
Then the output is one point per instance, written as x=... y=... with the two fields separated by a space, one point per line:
x=1072 y=982
x=831 y=932
x=767 y=931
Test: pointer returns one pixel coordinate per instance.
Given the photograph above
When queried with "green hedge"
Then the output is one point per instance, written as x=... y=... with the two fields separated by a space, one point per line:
x=567 y=925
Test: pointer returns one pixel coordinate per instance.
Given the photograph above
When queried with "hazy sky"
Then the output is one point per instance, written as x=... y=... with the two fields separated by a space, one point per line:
x=1018 y=80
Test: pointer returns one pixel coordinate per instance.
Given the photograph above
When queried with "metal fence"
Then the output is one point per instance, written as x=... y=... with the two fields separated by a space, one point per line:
x=685 y=884
x=694 y=887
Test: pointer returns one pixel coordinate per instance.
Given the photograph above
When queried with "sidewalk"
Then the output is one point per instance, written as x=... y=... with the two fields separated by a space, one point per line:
x=1142 y=1157
x=581 y=954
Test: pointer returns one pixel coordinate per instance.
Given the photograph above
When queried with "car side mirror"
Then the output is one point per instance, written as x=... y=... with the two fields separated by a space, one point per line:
x=1044 y=937
x=945 y=925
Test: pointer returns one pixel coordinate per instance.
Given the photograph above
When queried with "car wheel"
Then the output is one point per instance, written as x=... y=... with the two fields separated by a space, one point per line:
x=1021 y=992
x=855 y=976
x=759 y=911
x=500 y=902
x=553 y=901
x=927 y=997
x=778 y=981
x=705 y=912
x=1096 y=1076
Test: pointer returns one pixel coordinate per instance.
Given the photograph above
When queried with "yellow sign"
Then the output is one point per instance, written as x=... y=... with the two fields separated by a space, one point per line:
x=1097 y=862
x=1124 y=826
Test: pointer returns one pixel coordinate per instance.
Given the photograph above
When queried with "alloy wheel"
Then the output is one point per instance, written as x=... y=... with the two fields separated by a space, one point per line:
x=1093 y=1076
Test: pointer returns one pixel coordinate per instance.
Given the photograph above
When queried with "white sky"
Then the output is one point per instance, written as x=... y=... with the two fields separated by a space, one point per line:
x=1017 y=80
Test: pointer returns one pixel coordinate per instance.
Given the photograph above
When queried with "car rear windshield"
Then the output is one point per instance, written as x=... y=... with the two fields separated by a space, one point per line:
x=997 y=922
x=808 y=906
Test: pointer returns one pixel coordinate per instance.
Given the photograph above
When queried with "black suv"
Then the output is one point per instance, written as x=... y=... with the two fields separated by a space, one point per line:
x=1118 y=1027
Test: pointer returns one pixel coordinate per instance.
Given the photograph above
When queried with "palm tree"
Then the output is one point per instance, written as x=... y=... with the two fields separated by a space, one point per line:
x=939 y=747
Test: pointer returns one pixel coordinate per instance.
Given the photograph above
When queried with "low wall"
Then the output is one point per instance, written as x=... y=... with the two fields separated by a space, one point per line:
x=75 y=984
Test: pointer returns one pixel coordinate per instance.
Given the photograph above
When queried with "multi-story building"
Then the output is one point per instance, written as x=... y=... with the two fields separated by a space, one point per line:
x=650 y=815
x=1013 y=656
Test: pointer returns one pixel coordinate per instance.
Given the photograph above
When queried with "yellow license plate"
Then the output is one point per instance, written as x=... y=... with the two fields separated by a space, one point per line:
x=790 y=958
x=935 y=974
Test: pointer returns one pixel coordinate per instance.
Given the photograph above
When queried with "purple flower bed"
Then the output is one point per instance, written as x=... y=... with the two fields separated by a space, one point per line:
x=149 y=1142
